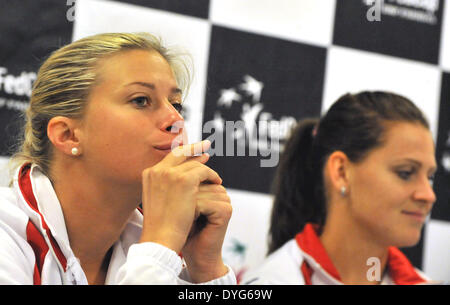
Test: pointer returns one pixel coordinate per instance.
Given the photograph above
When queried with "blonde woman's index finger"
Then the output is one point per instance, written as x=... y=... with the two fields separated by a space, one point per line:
x=185 y=152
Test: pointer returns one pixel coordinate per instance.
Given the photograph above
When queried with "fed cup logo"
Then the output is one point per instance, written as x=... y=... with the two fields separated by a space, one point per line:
x=255 y=133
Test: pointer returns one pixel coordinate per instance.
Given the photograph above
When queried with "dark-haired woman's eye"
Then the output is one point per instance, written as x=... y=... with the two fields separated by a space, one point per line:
x=404 y=174
x=178 y=107
x=140 y=101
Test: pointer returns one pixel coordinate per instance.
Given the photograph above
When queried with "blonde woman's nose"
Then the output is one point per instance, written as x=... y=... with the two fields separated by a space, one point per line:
x=171 y=119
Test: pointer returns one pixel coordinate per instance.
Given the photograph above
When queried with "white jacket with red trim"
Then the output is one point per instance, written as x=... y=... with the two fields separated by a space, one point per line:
x=35 y=249
x=304 y=261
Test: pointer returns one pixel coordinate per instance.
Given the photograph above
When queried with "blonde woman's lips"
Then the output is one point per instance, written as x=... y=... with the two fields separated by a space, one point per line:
x=167 y=147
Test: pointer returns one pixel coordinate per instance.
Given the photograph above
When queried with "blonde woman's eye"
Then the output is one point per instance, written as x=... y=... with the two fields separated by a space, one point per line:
x=140 y=101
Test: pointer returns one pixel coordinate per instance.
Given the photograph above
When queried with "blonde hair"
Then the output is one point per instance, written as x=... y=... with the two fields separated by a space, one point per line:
x=64 y=81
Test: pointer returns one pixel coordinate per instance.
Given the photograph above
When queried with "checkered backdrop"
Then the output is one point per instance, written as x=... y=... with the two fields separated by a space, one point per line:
x=264 y=64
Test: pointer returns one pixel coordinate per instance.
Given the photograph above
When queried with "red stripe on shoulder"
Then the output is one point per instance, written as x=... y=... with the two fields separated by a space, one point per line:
x=28 y=194
x=40 y=248
x=307 y=273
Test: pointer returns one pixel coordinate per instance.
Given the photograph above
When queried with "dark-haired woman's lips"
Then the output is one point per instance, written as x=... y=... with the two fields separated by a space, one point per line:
x=416 y=215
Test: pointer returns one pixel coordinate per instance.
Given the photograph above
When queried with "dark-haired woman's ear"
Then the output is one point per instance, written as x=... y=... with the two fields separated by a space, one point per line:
x=337 y=170
x=63 y=134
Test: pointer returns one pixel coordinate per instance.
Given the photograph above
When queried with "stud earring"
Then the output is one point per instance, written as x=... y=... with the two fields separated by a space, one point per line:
x=343 y=191
x=74 y=151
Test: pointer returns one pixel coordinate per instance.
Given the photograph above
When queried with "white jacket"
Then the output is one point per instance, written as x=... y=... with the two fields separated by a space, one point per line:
x=304 y=261
x=35 y=249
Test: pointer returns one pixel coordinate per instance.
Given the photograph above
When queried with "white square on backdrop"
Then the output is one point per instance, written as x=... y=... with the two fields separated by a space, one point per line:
x=437 y=250
x=247 y=230
x=189 y=33
x=445 y=37
x=352 y=71
x=308 y=21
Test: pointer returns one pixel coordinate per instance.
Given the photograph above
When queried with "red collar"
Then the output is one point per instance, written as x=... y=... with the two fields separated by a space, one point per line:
x=400 y=269
x=309 y=243
x=26 y=189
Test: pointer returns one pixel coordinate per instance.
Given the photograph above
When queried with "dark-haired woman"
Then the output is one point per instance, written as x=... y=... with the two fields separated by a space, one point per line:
x=351 y=188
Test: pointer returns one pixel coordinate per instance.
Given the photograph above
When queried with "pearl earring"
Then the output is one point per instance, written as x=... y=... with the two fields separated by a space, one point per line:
x=74 y=151
x=343 y=190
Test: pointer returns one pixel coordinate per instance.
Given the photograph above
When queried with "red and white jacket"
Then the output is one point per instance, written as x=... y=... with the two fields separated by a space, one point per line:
x=304 y=261
x=35 y=248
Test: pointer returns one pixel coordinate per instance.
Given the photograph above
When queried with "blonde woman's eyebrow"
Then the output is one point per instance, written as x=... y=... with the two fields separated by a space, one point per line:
x=153 y=87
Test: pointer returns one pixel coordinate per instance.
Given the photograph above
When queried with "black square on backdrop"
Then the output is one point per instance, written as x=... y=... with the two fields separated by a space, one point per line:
x=30 y=30
x=403 y=30
x=441 y=209
x=195 y=8
x=267 y=83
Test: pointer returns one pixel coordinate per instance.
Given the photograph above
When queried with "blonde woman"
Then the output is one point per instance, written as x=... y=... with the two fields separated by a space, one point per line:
x=97 y=144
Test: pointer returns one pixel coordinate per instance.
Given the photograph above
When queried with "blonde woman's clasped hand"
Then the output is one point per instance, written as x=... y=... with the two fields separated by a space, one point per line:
x=187 y=209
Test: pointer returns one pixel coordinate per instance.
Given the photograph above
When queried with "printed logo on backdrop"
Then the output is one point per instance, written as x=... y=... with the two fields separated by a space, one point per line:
x=385 y=26
x=34 y=29
x=15 y=91
x=256 y=133
x=235 y=257
x=258 y=88
x=441 y=208
x=18 y=86
x=424 y=11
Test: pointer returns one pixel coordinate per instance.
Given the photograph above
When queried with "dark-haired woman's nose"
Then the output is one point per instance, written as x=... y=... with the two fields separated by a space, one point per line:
x=424 y=192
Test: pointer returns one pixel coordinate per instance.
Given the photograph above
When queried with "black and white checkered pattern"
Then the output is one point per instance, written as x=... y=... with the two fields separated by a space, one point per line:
x=262 y=62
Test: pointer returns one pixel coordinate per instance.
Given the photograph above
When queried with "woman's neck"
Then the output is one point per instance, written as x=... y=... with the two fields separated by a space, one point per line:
x=95 y=215
x=353 y=252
